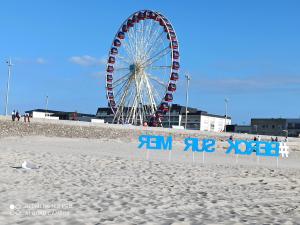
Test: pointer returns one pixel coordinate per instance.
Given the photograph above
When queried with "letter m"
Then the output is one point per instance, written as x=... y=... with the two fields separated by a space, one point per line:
x=166 y=144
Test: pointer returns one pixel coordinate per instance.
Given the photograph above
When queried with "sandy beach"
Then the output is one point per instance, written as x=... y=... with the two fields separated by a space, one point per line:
x=95 y=174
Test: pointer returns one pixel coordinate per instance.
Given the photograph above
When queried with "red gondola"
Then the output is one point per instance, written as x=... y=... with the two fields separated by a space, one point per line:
x=175 y=65
x=147 y=14
x=172 y=87
x=109 y=78
x=152 y=15
x=170 y=29
x=172 y=35
x=113 y=51
x=112 y=103
x=111 y=60
x=110 y=69
x=164 y=107
x=117 y=43
x=168 y=97
x=174 y=45
x=134 y=18
x=141 y=15
x=161 y=22
x=161 y=15
x=124 y=28
x=169 y=26
x=109 y=87
x=159 y=114
x=175 y=54
x=110 y=95
x=174 y=76
x=121 y=35
x=173 y=38
x=129 y=23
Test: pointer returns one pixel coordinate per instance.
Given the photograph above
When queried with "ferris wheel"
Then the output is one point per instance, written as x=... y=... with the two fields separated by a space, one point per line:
x=142 y=69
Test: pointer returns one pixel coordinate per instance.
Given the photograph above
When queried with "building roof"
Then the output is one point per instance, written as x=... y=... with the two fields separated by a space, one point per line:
x=59 y=112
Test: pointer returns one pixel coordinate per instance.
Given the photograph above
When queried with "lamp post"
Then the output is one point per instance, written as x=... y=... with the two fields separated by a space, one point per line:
x=188 y=78
x=226 y=109
x=9 y=64
x=47 y=100
x=170 y=115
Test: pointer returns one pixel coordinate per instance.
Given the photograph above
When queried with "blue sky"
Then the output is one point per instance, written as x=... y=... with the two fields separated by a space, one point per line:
x=246 y=51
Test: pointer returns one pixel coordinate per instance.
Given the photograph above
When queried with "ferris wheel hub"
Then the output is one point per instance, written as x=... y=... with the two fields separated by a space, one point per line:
x=136 y=68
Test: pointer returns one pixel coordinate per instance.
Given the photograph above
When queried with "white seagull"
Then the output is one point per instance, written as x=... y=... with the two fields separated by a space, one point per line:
x=28 y=165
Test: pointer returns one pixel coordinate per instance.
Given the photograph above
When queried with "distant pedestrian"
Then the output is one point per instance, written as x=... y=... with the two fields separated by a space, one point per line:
x=276 y=139
x=258 y=138
x=13 y=115
x=231 y=138
x=254 y=139
x=26 y=117
x=18 y=115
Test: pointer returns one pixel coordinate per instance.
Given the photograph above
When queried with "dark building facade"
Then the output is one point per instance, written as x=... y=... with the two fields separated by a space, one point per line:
x=276 y=126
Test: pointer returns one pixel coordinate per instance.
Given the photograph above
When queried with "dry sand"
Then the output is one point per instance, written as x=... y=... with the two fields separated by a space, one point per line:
x=95 y=174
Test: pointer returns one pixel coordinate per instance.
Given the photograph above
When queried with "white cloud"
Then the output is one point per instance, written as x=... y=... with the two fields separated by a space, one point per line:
x=41 y=61
x=38 y=60
x=87 y=60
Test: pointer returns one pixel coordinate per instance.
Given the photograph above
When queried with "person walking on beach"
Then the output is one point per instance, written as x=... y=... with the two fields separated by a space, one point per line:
x=26 y=117
x=18 y=115
x=13 y=115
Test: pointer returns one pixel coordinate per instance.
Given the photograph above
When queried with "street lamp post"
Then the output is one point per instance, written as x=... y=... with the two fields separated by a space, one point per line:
x=170 y=115
x=47 y=100
x=188 y=78
x=226 y=109
x=9 y=64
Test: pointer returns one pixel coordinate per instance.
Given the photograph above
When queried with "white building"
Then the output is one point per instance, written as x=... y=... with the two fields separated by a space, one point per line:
x=204 y=121
x=196 y=119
